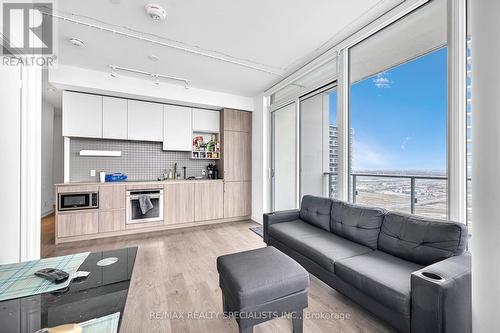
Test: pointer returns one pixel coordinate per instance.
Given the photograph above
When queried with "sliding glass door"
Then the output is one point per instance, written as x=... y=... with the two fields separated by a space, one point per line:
x=284 y=158
x=319 y=143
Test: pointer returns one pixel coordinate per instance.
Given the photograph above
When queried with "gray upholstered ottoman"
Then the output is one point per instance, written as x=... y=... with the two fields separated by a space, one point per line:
x=262 y=284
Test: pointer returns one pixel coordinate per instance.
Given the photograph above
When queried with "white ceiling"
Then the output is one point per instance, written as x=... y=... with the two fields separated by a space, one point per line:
x=277 y=36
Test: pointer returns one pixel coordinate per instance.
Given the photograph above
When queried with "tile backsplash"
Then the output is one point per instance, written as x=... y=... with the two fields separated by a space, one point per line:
x=139 y=160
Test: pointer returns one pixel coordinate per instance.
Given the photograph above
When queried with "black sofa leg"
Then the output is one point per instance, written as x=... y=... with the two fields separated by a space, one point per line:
x=246 y=329
x=298 y=321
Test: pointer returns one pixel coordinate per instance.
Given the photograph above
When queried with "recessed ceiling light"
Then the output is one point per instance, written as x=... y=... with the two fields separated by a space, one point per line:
x=77 y=42
x=156 y=12
x=152 y=57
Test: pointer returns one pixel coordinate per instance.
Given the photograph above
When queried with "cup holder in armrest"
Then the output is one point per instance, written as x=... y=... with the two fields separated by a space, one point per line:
x=432 y=276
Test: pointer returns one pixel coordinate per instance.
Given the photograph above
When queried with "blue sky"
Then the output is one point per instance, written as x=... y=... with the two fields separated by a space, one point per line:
x=399 y=117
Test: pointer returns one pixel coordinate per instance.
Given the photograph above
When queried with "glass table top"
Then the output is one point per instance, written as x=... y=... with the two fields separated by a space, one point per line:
x=104 y=291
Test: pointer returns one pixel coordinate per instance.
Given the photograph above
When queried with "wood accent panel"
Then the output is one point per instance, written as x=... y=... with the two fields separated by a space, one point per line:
x=113 y=220
x=179 y=203
x=237 y=199
x=235 y=120
x=77 y=188
x=112 y=197
x=75 y=224
x=209 y=201
x=237 y=156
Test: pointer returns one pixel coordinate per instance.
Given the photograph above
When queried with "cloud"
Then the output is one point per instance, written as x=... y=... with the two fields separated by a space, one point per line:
x=382 y=81
x=367 y=156
x=405 y=141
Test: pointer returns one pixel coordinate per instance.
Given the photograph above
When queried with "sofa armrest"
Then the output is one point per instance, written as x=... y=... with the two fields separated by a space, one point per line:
x=441 y=297
x=277 y=217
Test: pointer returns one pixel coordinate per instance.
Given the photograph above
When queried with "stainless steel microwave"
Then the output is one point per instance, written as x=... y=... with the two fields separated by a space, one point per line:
x=76 y=201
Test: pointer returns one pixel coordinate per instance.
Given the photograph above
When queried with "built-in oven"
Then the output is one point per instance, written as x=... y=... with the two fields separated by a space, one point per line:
x=134 y=212
x=77 y=201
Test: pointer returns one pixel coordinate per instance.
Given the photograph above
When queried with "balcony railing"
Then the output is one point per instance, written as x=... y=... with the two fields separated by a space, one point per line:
x=438 y=198
x=415 y=194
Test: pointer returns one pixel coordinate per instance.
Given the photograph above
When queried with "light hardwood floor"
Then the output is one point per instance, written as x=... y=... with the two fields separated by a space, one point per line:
x=175 y=273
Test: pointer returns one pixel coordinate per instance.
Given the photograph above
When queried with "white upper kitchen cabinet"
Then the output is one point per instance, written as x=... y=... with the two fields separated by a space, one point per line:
x=81 y=115
x=145 y=121
x=114 y=118
x=205 y=121
x=177 y=130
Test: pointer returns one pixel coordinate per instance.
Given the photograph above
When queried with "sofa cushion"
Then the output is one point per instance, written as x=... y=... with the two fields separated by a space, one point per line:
x=320 y=246
x=383 y=277
x=257 y=276
x=357 y=223
x=422 y=240
x=316 y=211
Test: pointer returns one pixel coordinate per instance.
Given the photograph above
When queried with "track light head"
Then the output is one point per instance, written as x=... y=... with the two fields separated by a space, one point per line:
x=113 y=72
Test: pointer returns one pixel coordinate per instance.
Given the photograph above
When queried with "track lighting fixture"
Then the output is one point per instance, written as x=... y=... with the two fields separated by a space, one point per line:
x=155 y=76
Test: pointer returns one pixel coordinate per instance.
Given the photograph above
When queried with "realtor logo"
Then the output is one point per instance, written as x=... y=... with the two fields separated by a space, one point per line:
x=26 y=29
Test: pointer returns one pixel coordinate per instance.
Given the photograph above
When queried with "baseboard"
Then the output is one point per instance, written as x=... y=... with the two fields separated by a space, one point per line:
x=47 y=213
x=256 y=219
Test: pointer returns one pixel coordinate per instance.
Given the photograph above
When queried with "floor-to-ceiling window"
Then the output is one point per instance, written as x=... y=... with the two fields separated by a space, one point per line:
x=469 y=118
x=284 y=159
x=319 y=143
x=398 y=115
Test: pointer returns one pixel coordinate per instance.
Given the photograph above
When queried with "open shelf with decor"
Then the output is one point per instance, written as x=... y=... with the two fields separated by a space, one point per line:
x=206 y=146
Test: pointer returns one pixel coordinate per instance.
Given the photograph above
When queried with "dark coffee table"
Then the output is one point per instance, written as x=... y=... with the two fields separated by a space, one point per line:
x=102 y=293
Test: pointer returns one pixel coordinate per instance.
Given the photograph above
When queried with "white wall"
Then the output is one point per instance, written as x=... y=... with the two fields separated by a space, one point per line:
x=259 y=153
x=47 y=182
x=74 y=78
x=485 y=166
x=58 y=151
x=10 y=175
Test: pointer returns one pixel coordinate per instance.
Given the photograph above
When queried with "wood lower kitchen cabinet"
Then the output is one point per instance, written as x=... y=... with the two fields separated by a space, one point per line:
x=77 y=224
x=113 y=220
x=186 y=203
x=237 y=199
x=112 y=197
x=209 y=199
x=111 y=208
x=179 y=203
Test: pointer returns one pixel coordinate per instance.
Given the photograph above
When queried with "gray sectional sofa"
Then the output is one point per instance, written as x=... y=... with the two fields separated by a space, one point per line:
x=410 y=271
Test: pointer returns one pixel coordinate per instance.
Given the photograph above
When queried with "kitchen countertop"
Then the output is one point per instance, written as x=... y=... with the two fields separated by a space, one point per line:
x=145 y=182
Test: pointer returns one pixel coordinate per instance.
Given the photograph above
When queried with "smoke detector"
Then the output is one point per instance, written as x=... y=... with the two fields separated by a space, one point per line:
x=156 y=12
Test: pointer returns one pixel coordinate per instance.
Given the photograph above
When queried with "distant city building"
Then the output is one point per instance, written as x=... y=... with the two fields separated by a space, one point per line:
x=469 y=130
x=333 y=155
